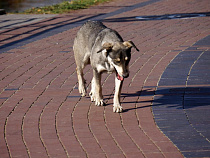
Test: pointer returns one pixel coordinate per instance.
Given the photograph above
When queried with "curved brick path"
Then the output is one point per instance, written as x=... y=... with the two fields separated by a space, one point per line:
x=41 y=113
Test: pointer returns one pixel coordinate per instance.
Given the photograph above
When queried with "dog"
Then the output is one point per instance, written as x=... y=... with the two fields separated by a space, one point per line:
x=106 y=51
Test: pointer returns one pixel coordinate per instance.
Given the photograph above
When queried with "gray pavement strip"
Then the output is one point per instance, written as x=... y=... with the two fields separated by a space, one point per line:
x=173 y=16
x=15 y=20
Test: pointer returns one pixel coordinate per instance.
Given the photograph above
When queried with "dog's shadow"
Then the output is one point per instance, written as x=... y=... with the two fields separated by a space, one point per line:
x=179 y=98
x=125 y=95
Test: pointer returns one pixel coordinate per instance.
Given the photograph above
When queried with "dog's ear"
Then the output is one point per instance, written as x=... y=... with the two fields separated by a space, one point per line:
x=130 y=44
x=106 y=48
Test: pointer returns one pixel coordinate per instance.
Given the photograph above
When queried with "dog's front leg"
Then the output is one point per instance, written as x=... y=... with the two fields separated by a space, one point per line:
x=96 y=92
x=118 y=88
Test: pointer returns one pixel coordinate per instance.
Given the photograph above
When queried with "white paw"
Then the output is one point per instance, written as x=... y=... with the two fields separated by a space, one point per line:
x=92 y=96
x=99 y=102
x=117 y=108
x=82 y=91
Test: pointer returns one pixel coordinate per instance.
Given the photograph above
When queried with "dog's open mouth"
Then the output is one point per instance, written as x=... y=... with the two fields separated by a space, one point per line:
x=119 y=77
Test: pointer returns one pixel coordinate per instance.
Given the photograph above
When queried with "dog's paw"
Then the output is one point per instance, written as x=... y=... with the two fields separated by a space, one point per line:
x=99 y=102
x=82 y=91
x=92 y=96
x=117 y=108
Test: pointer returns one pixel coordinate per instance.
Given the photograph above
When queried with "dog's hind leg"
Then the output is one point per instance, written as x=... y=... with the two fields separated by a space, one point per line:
x=92 y=92
x=81 y=59
x=118 y=87
x=81 y=81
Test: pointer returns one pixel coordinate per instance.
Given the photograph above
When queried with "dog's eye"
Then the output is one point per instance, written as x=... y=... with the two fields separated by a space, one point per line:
x=126 y=58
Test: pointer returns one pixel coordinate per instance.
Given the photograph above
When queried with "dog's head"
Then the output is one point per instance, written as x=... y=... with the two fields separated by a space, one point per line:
x=118 y=55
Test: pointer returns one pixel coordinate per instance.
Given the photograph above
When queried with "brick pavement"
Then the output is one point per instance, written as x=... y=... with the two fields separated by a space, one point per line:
x=41 y=112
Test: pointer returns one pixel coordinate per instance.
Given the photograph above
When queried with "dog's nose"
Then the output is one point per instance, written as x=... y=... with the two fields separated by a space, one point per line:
x=126 y=75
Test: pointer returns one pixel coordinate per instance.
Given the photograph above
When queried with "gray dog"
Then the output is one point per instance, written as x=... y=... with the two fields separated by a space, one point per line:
x=106 y=51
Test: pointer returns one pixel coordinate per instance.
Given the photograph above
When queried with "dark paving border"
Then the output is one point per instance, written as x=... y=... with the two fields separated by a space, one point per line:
x=62 y=28
x=181 y=105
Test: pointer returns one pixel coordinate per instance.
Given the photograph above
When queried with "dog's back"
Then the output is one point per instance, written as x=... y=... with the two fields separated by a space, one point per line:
x=85 y=40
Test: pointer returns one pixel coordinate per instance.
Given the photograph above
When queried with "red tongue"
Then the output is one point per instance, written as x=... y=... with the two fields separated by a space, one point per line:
x=119 y=77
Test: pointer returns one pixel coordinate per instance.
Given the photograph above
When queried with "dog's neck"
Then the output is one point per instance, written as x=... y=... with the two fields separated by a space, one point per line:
x=106 y=66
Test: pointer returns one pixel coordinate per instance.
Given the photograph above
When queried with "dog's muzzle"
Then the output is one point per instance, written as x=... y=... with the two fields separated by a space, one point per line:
x=121 y=78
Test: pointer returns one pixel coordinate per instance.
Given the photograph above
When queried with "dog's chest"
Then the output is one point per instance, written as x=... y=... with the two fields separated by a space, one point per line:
x=105 y=67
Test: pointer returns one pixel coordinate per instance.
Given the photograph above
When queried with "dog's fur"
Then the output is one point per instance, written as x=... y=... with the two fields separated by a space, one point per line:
x=106 y=51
